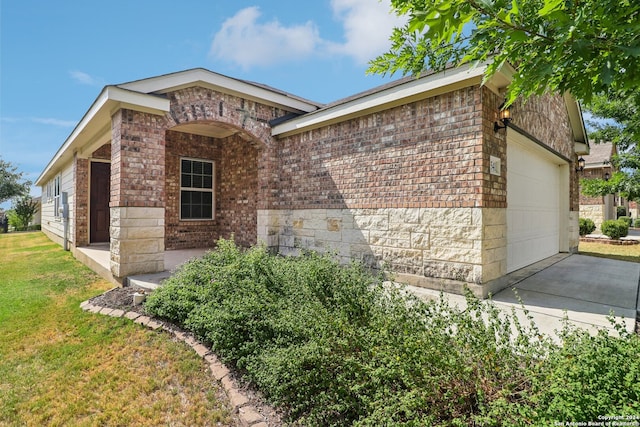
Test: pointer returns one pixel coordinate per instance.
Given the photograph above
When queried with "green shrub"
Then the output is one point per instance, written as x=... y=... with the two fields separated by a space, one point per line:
x=626 y=219
x=615 y=228
x=637 y=223
x=590 y=375
x=587 y=226
x=334 y=345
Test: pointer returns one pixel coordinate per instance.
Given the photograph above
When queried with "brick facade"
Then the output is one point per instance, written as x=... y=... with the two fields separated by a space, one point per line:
x=236 y=190
x=137 y=159
x=545 y=118
x=424 y=154
x=81 y=201
x=591 y=174
x=407 y=185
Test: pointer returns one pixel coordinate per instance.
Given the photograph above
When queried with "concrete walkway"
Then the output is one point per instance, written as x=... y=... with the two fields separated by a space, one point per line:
x=97 y=257
x=586 y=289
x=172 y=259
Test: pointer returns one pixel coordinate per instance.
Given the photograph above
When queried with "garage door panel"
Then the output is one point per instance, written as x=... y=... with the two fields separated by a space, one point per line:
x=533 y=206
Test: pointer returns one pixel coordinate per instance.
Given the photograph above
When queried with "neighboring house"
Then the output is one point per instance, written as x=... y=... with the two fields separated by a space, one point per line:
x=634 y=210
x=597 y=164
x=410 y=176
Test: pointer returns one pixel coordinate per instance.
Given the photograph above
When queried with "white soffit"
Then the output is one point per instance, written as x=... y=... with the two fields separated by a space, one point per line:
x=577 y=125
x=414 y=90
x=95 y=127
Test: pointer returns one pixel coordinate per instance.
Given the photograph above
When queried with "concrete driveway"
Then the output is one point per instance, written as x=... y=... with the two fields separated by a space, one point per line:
x=587 y=289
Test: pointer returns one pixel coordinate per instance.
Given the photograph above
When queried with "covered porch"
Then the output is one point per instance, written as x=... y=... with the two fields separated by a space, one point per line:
x=98 y=257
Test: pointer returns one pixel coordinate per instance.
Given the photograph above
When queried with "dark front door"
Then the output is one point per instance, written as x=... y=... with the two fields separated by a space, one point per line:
x=99 y=206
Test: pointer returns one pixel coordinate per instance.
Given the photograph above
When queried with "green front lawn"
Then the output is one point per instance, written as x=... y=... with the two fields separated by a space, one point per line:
x=62 y=366
x=621 y=252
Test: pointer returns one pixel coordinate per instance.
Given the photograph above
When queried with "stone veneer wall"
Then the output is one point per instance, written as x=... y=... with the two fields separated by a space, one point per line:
x=137 y=240
x=410 y=189
x=593 y=212
x=433 y=247
x=236 y=190
x=407 y=189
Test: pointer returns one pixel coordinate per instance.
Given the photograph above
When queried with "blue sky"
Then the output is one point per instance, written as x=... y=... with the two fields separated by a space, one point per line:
x=55 y=56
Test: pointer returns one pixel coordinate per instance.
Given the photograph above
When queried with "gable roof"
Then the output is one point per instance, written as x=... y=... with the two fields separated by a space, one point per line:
x=208 y=79
x=149 y=95
x=600 y=155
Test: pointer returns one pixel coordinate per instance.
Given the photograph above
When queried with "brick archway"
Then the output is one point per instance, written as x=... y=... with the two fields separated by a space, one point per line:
x=201 y=123
x=234 y=164
x=235 y=135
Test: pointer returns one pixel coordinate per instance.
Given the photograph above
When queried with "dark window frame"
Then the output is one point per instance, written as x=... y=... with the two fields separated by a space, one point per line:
x=197 y=182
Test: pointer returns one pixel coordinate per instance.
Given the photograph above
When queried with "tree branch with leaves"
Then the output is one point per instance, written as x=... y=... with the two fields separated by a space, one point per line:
x=11 y=182
x=584 y=47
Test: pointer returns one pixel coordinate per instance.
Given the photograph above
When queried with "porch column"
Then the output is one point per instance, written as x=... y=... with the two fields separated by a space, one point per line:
x=137 y=193
x=81 y=201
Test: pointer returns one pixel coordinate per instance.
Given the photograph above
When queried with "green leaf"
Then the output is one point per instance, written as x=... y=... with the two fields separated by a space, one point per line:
x=550 y=6
x=631 y=50
x=518 y=35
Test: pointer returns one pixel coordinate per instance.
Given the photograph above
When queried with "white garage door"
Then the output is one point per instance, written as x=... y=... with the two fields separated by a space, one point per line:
x=533 y=203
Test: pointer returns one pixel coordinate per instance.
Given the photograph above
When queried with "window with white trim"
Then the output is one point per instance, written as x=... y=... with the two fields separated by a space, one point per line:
x=196 y=189
x=56 y=196
x=49 y=192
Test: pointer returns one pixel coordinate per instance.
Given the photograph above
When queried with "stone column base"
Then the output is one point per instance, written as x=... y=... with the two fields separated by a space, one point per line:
x=137 y=240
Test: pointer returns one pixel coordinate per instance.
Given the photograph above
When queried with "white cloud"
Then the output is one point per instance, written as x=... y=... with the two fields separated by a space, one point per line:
x=84 y=78
x=245 y=41
x=40 y=120
x=367 y=25
x=53 y=122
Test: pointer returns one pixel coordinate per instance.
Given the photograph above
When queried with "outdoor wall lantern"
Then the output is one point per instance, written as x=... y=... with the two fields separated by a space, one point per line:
x=504 y=115
x=607 y=176
x=580 y=167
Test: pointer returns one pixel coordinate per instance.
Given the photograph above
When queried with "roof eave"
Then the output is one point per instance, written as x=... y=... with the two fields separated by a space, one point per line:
x=90 y=131
x=581 y=141
x=413 y=90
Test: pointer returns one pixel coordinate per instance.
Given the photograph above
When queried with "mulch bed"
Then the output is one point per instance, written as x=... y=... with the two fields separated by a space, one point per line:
x=120 y=298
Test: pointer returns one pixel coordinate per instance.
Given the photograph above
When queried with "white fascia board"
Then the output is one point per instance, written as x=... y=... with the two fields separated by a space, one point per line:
x=416 y=89
x=577 y=124
x=122 y=98
x=220 y=83
x=97 y=118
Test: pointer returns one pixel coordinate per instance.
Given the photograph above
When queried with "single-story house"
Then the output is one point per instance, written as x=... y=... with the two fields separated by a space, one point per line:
x=597 y=164
x=417 y=176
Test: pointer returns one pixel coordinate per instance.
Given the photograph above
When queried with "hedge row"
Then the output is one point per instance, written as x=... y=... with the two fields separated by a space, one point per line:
x=334 y=345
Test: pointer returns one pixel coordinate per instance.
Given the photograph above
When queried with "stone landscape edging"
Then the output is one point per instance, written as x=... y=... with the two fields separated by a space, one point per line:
x=248 y=414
